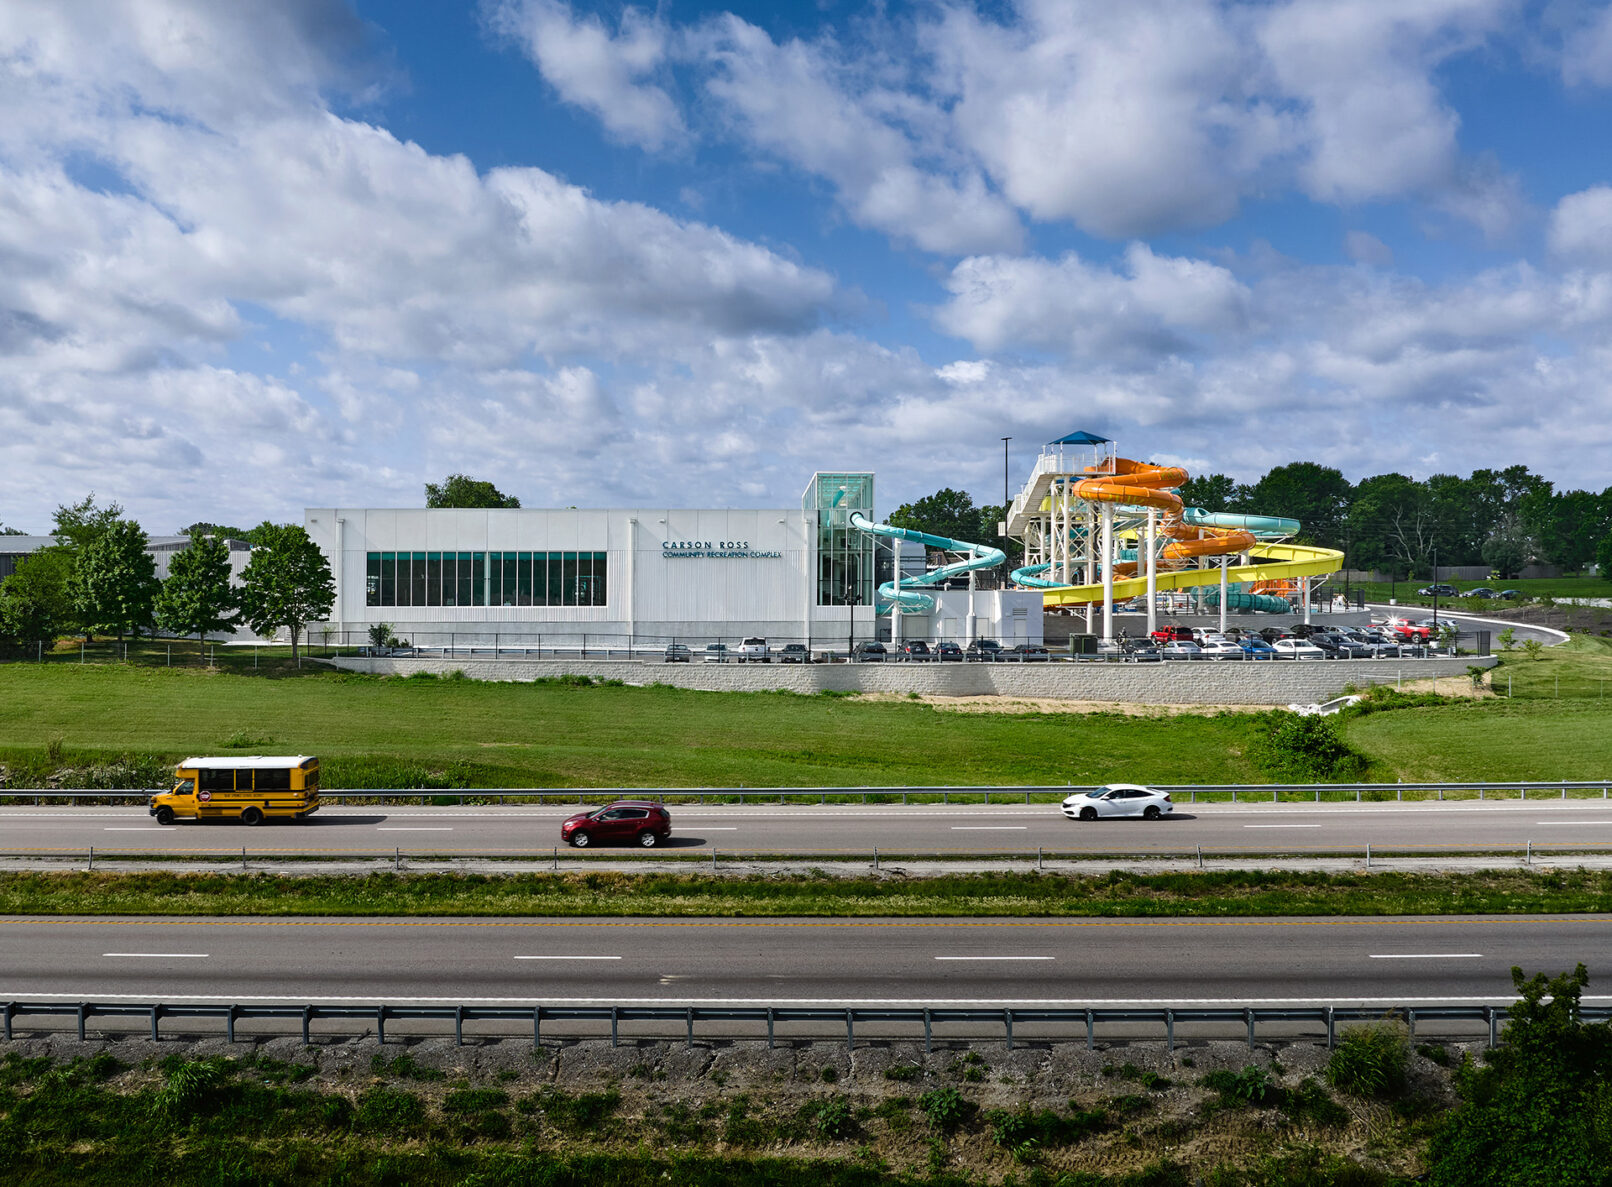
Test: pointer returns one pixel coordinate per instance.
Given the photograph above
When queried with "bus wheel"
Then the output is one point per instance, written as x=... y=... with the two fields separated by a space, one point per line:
x=165 y=816
x=252 y=817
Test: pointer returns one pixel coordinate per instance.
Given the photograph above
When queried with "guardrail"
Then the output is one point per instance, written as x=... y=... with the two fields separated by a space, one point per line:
x=1003 y=793
x=1079 y=1022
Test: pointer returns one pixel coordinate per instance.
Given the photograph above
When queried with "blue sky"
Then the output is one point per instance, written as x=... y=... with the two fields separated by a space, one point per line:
x=262 y=257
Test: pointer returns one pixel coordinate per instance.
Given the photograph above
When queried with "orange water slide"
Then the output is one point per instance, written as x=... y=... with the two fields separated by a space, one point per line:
x=1136 y=483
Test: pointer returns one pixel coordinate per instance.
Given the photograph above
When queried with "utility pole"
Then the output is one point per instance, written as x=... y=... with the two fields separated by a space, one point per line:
x=1005 y=441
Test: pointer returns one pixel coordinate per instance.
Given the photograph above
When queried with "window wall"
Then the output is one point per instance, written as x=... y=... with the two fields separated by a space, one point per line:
x=487 y=579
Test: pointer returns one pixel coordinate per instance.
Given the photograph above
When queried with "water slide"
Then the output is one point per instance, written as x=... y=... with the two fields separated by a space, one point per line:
x=1196 y=533
x=901 y=593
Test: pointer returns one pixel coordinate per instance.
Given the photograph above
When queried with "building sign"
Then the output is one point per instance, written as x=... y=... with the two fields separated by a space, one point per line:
x=714 y=550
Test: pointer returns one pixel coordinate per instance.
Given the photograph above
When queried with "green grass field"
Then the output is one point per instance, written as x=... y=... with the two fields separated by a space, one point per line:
x=390 y=732
x=1533 y=590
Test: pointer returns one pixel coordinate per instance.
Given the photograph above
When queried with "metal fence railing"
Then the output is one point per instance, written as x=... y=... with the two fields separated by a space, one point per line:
x=1056 y=1024
x=946 y=794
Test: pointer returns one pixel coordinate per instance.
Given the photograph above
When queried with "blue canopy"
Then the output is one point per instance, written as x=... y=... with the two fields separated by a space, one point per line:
x=1080 y=439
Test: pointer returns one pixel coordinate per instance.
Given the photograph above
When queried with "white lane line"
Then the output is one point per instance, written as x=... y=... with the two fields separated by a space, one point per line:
x=411 y=829
x=1281 y=826
x=145 y=828
x=989 y=828
x=162 y=955
x=996 y=958
x=567 y=958
x=720 y=828
x=1426 y=956
x=1603 y=822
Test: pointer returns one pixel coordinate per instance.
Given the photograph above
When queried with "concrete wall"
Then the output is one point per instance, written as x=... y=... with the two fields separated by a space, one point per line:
x=1180 y=683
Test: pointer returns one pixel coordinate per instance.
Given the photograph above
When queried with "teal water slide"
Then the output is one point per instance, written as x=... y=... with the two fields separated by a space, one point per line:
x=1264 y=527
x=902 y=592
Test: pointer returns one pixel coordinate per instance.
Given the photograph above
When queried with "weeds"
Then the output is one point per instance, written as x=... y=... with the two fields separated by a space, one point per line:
x=1370 y=1060
x=404 y=1067
x=946 y=1109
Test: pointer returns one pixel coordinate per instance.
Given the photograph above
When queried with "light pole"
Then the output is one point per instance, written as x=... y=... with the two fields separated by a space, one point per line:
x=1005 y=441
x=851 y=600
x=1435 y=589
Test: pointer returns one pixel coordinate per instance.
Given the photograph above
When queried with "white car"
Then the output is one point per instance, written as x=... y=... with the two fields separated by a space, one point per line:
x=716 y=653
x=1181 y=649
x=1220 y=649
x=1296 y=649
x=754 y=651
x=1118 y=799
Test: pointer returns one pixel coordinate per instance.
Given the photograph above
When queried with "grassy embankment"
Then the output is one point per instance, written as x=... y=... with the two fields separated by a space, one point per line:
x=1536 y=589
x=389 y=732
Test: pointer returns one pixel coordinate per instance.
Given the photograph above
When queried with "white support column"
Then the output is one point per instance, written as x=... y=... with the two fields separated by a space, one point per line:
x=1108 y=570
x=1223 y=595
x=1304 y=588
x=1152 y=570
x=895 y=606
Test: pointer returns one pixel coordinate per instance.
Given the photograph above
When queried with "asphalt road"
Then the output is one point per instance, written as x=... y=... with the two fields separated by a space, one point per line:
x=1078 y=962
x=1492 y=623
x=1425 y=827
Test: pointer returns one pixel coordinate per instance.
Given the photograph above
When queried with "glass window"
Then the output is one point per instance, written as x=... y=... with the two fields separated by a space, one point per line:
x=556 y=579
x=417 y=596
x=523 y=580
x=478 y=578
x=433 y=579
x=495 y=571
x=600 y=593
x=512 y=567
x=450 y=586
x=465 y=580
x=372 y=579
x=568 y=578
x=405 y=580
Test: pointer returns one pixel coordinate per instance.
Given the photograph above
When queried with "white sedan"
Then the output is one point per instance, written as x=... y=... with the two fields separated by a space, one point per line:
x=1118 y=799
x=1297 y=649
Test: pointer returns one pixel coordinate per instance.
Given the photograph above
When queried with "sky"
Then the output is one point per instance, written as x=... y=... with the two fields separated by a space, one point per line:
x=260 y=257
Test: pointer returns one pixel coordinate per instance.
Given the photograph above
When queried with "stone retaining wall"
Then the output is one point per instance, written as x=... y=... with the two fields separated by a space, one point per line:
x=1271 y=682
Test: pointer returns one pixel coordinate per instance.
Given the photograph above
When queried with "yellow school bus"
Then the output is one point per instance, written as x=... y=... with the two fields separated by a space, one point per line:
x=248 y=788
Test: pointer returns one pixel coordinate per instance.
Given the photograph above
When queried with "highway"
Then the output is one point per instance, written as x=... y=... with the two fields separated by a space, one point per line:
x=492 y=831
x=1089 y=962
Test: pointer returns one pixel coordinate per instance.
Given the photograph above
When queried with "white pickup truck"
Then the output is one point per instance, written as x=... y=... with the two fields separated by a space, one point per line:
x=754 y=651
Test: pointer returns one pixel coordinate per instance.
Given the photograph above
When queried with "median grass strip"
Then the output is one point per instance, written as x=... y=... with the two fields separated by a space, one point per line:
x=1001 y=895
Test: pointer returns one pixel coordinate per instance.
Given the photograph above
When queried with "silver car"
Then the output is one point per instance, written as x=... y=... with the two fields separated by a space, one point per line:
x=1118 y=799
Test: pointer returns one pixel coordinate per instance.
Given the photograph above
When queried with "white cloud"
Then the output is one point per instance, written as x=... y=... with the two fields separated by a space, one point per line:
x=1587 y=50
x=596 y=70
x=1581 y=228
x=795 y=101
x=1365 y=248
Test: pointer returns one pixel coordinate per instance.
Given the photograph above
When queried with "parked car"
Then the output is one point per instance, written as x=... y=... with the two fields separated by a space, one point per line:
x=794 y=653
x=1297 y=649
x=1220 y=649
x=1028 y=653
x=1511 y=595
x=1180 y=649
x=1253 y=647
x=916 y=651
x=755 y=651
x=636 y=822
x=984 y=650
x=1118 y=799
x=716 y=653
x=869 y=653
x=1340 y=647
x=677 y=653
x=949 y=652
x=1483 y=591
x=1440 y=590
x=1169 y=634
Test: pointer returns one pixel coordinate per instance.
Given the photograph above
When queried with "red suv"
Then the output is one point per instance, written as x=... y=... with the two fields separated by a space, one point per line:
x=1172 y=634
x=642 y=822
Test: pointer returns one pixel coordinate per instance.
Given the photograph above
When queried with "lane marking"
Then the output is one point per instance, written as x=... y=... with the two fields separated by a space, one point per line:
x=1573 y=822
x=949 y=924
x=566 y=958
x=720 y=828
x=1426 y=956
x=162 y=955
x=996 y=958
x=1281 y=826
x=989 y=828
x=146 y=828
x=413 y=829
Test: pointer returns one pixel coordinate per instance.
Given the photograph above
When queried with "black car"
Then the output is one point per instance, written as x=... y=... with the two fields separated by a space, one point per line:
x=985 y=650
x=917 y=651
x=1483 y=591
x=869 y=653
x=794 y=653
x=949 y=652
x=1440 y=590
x=1029 y=653
x=1511 y=595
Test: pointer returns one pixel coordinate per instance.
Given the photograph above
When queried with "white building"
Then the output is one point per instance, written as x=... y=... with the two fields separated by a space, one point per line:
x=635 y=577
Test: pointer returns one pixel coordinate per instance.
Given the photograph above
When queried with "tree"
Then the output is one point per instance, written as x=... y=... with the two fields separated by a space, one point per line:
x=1212 y=492
x=34 y=604
x=1568 y=526
x=947 y=512
x=5 y=531
x=1392 y=523
x=82 y=522
x=1540 y=1110
x=222 y=531
x=1315 y=495
x=461 y=490
x=197 y=597
x=287 y=583
x=1509 y=548
x=114 y=583
x=1603 y=558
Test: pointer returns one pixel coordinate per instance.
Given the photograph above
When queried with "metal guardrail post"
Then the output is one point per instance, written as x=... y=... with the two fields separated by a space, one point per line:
x=688 y=1016
x=458 y=1026
x=229 y=1023
x=850 y=1031
x=929 y=1038
x=1332 y=1029
x=1169 y=1031
x=1007 y=1019
x=769 y=1028
x=1410 y=1021
x=537 y=1026
x=380 y=1024
x=1494 y=1036
x=156 y=1012
x=5 y=1019
x=615 y=1021
x=1091 y=1032
x=83 y=1009
x=307 y=1018
x=1248 y=1016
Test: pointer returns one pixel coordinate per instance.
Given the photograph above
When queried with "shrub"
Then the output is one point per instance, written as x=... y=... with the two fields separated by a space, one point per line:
x=404 y=1067
x=191 y=1087
x=1042 y=1127
x=1508 y=638
x=390 y=1111
x=946 y=1108
x=1370 y=1060
x=469 y=1101
x=831 y=1117
x=903 y=1072
x=1305 y=748
x=1251 y=1086
x=1533 y=647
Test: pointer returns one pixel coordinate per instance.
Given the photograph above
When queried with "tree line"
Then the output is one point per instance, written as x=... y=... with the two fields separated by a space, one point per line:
x=1505 y=519
x=99 y=579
